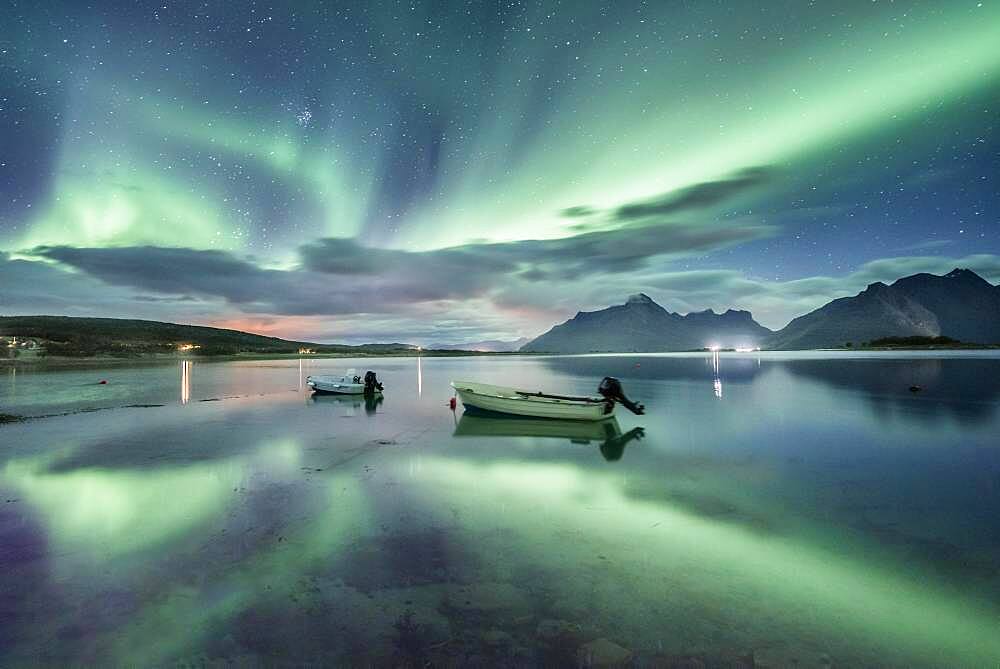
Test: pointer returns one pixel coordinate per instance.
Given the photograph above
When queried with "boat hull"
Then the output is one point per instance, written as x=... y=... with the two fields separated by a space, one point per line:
x=514 y=402
x=335 y=386
x=335 y=389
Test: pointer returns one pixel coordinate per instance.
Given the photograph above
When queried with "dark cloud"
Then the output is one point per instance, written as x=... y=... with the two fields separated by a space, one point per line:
x=609 y=251
x=580 y=211
x=698 y=196
x=342 y=276
x=158 y=299
x=481 y=266
x=690 y=198
x=32 y=287
x=166 y=270
x=210 y=274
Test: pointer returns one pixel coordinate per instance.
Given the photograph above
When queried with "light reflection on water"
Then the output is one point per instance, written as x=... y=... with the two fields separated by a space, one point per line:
x=816 y=512
x=186 y=381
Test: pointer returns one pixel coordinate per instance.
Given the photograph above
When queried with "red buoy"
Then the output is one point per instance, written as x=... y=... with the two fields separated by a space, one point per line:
x=102 y=382
x=451 y=403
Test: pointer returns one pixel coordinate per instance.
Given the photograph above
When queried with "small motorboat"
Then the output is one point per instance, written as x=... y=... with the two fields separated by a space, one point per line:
x=348 y=384
x=500 y=399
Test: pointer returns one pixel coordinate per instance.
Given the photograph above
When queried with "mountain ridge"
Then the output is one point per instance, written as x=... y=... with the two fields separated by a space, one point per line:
x=960 y=304
x=485 y=346
x=645 y=327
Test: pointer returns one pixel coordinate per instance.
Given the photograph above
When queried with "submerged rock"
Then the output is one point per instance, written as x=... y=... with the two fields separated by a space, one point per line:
x=553 y=631
x=703 y=661
x=496 y=638
x=602 y=653
x=488 y=597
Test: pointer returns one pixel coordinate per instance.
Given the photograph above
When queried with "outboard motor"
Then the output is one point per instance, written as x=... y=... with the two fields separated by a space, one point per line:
x=611 y=390
x=371 y=383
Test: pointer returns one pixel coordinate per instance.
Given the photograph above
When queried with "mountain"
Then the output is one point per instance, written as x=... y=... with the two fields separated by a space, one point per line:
x=642 y=325
x=487 y=346
x=961 y=305
x=72 y=336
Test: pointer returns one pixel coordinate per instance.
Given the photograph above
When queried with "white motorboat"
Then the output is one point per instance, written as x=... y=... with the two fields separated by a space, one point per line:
x=348 y=384
x=500 y=399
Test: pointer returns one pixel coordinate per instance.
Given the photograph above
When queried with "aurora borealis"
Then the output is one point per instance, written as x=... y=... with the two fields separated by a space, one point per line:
x=444 y=172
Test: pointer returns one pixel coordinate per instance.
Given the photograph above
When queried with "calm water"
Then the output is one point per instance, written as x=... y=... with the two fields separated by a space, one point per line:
x=796 y=509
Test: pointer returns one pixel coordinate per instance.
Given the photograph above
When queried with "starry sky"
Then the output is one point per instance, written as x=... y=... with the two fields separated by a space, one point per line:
x=446 y=172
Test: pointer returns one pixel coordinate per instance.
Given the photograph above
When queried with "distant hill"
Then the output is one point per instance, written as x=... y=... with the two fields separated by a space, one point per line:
x=642 y=325
x=71 y=336
x=960 y=305
x=489 y=346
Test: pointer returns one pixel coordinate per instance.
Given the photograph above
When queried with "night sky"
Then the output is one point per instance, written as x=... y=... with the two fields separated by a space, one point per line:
x=447 y=172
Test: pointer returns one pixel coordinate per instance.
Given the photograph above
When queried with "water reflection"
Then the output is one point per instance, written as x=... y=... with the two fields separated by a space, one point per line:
x=964 y=388
x=186 y=366
x=608 y=432
x=700 y=367
x=791 y=523
x=717 y=382
x=371 y=403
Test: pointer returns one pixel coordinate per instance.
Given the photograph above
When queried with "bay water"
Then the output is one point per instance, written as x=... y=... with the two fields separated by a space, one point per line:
x=774 y=509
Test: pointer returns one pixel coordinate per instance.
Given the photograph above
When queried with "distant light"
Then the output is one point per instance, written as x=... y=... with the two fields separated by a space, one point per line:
x=188 y=347
x=714 y=348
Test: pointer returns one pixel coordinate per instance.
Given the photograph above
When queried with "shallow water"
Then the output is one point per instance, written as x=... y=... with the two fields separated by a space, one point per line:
x=781 y=508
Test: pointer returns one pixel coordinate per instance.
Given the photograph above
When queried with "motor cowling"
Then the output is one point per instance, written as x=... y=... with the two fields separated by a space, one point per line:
x=372 y=384
x=611 y=390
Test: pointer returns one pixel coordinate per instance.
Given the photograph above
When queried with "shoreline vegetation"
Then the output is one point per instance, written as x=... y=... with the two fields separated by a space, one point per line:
x=34 y=339
x=916 y=344
x=62 y=340
x=168 y=358
x=82 y=360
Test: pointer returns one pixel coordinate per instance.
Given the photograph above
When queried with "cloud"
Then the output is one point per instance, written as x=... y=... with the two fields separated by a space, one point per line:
x=697 y=196
x=343 y=276
x=927 y=245
x=455 y=294
x=33 y=287
x=579 y=211
x=208 y=274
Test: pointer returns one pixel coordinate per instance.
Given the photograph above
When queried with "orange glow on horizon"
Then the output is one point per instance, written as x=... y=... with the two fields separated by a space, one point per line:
x=289 y=327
